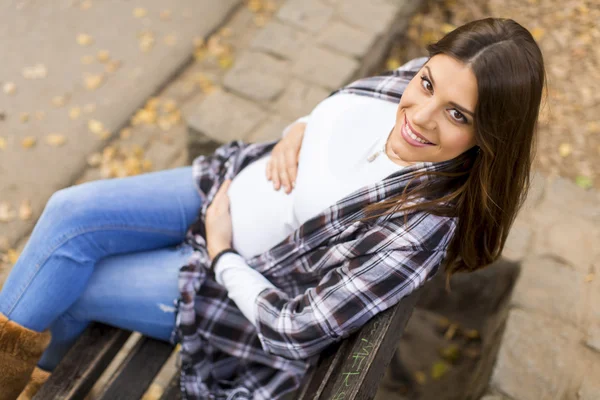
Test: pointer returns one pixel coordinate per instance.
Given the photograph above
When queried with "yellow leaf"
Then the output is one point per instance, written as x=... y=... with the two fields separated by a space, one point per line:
x=392 y=63
x=589 y=277
x=94 y=159
x=169 y=105
x=420 y=377
x=28 y=142
x=109 y=153
x=93 y=81
x=83 y=39
x=40 y=115
x=104 y=135
x=565 y=149
x=538 y=33
x=24 y=117
x=2 y=143
x=451 y=331
x=146 y=165
x=74 y=112
x=146 y=41
x=59 y=101
x=225 y=32
x=25 y=211
x=447 y=28
x=225 y=61
x=164 y=123
x=140 y=12
x=165 y=15
x=260 y=20
x=152 y=103
x=450 y=353
x=103 y=56
x=7 y=214
x=254 y=5
x=112 y=66
x=439 y=369
x=56 y=140
x=95 y=126
x=472 y=334
x=13 y=256
x=9 y=88
x=87 y=59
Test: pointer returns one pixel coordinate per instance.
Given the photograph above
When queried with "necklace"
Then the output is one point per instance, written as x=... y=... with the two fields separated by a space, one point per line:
x=381 y=150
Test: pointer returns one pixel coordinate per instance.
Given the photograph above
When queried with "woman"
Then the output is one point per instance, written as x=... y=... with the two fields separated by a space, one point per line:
x=386 y=181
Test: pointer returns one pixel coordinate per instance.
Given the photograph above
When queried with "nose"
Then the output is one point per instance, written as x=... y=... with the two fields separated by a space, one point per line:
x=423 y=117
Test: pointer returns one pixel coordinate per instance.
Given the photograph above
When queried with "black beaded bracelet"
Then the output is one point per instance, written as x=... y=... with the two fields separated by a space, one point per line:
x=219 y=254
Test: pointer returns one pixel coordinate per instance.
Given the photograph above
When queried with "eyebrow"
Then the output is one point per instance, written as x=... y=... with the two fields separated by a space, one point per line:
x=461 y=108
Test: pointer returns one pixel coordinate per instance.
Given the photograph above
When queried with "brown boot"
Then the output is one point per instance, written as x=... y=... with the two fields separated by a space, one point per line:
x=38 y=378
x=20 y=350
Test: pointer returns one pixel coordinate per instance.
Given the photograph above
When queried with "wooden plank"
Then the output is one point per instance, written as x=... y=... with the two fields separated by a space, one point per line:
x=76 y=374
x=172 y=391
x=133 y=377
x=353 y=368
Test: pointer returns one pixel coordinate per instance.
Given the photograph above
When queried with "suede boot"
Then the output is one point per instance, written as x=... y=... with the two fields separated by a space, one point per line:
x=38 y=378
x=20 y=350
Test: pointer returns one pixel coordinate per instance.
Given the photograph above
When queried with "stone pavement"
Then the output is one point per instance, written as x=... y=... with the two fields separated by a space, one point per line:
x=287 y=56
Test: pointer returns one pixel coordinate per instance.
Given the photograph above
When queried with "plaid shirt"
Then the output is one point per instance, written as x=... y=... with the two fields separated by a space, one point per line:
x=332 y=275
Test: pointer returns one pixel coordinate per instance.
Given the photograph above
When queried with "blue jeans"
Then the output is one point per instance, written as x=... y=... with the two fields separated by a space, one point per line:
x=107 y=251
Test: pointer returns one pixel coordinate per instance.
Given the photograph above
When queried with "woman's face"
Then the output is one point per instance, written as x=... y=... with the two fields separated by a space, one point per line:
x=438 y=106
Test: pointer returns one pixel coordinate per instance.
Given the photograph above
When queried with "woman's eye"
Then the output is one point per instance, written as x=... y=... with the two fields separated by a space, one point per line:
x=460 y=116
x=427 y=82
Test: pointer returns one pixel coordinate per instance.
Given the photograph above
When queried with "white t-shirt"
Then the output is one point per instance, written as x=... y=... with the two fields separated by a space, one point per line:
x=341 y=133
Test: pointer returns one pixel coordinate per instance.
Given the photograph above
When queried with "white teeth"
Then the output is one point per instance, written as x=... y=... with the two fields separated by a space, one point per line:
x=415 y=137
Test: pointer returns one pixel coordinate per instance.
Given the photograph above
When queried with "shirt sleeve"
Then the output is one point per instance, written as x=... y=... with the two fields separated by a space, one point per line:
x=301 y=119
x=345 y=299
x=243 y=283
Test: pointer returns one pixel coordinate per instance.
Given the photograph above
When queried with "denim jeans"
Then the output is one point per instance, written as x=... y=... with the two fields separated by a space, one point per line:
x=106 y=251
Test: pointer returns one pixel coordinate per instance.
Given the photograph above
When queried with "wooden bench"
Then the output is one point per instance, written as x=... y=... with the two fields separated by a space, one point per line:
x=350 y=369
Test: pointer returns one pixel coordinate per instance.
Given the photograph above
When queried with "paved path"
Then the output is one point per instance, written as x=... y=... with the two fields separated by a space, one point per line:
x=49 y=67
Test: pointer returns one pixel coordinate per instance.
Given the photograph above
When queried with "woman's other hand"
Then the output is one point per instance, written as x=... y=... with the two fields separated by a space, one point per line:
x=218 y=222
x=282 y=167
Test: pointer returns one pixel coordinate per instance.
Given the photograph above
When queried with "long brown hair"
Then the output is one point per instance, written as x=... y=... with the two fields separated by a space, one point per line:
x=486 y=185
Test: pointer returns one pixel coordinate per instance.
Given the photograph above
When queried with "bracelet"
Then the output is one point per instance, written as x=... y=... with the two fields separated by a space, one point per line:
x=214 y=261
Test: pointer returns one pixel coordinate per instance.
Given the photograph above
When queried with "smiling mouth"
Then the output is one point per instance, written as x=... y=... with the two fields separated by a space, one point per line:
x=413 y=135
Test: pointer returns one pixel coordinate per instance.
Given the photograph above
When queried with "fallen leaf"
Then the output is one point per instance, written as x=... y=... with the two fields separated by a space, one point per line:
x=85 y=5
x=104 y=135
x=93 y=81
x=450 y=353
x=226 y=32
x=125 y=133
x=83 y=39
x=420 y=377
x=140 y=12
x=439 y=369
x=392 y=63
x=7 y=214
x=260 y=20
x=451 y=331
x=95 y=126
x=59 y=101
x=584 y=182
x=225 y=62
x=538 y=33
x=56 y=140
x=146 y=41
x=13 y=256
x=589 y=277
x=112 y=66
x=103 y=56
x=28 y=142
x=39 y=115
x=2 y=143
x=198 y=42
x=94 y=159
x=25 y=211
x=9 y=88
x=146 y=165
x=254 y=5
x=565 y=149
x=169 y=105
x=74 y=112
x=447 y=28
x=164 y=123
x=471 y=334
x=24 y=117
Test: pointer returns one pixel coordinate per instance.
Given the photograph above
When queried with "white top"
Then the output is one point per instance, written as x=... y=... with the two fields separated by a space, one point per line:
x=341 y=133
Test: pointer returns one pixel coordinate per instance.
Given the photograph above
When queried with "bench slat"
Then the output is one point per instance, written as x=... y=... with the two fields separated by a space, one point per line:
x=133 y=377
x=76 y=374
x=353 y=368
x=172 y=391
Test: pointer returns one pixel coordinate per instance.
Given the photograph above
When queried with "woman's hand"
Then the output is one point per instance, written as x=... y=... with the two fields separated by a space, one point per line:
x=283 y=164
x=218 y=222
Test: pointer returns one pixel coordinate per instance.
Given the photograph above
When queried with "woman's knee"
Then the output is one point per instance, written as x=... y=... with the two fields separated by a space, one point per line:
x=71 y=203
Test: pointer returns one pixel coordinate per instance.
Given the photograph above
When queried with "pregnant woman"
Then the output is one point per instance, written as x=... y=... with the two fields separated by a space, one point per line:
x=259 y=256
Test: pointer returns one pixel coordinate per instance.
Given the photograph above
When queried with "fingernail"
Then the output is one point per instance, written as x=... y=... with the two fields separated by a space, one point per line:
x=293 y=184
